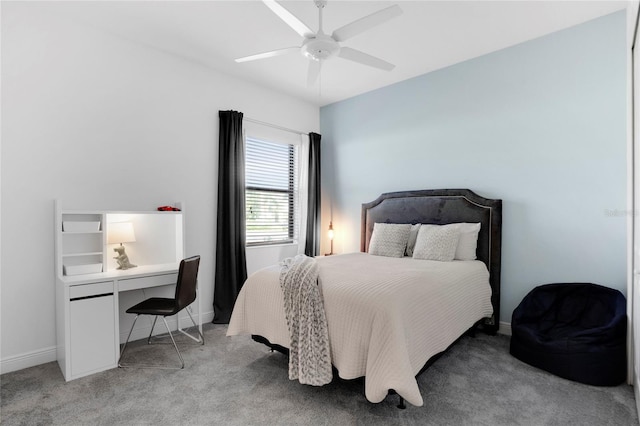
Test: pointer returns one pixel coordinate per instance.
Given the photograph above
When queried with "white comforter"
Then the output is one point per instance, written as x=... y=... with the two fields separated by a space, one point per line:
x=386 y=316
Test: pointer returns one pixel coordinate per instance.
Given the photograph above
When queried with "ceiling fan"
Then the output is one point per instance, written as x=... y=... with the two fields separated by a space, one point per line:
x=320 y=46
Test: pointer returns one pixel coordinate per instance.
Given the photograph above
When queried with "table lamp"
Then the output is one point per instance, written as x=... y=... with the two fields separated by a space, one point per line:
x=330 y=238
x=121 y=232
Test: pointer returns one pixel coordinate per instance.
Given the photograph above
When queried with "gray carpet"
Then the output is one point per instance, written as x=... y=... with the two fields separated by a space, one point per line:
x=235 y=381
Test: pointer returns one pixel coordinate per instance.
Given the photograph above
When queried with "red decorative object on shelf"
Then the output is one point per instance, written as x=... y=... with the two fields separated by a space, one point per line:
x=168 y=209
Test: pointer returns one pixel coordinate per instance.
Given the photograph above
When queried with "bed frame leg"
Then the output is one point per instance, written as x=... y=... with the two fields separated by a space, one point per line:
x=401 y=404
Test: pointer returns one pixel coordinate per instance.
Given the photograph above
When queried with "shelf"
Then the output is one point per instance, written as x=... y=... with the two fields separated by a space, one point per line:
x=141 y=212
x=80 y=232
x=95 y=253
x=77 y=243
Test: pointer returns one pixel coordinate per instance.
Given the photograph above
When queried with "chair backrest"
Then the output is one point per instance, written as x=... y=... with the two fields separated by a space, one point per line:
x=187 y=280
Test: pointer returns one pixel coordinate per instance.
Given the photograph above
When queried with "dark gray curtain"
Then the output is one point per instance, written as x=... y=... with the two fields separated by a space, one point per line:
x=231 y=264
x=312 y=246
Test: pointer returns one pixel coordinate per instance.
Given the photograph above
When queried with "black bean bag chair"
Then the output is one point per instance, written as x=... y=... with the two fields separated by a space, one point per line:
x=577 y=331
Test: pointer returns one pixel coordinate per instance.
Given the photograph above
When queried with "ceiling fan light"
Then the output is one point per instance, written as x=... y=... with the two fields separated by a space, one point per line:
x=310 y=55
x=319 y=48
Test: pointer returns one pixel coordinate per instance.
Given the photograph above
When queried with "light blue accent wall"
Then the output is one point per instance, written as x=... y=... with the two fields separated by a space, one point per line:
x=541 y=125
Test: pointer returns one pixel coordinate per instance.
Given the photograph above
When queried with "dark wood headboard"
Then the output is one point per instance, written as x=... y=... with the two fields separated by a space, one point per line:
x=440 y=207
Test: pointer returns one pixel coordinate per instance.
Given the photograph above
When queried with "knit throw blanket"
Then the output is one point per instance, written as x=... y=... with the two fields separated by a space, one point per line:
x=309 y=354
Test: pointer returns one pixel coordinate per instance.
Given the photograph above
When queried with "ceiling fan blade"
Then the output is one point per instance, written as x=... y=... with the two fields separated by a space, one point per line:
x=368 y=22
x=289 y=18
x=314 y=72
x=365 y=59
x=270 y=54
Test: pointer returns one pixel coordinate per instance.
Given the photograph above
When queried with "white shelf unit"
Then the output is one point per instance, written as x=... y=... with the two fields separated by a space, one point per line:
x=79 y=248
x=87 y=304
x=159 y=238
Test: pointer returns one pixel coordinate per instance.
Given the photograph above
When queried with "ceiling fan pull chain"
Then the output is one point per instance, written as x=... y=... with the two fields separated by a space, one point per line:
x=320 y=83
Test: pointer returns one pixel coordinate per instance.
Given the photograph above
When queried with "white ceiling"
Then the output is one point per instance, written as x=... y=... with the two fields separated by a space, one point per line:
x=429 y=35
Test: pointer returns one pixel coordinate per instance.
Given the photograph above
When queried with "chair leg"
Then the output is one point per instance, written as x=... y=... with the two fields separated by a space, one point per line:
x=148 y=342
x=174 y=342
x=201 y=339
x=127 y=341
x=155 y=318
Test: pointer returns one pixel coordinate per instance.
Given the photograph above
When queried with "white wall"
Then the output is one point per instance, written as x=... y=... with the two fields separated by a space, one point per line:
x=102 y=123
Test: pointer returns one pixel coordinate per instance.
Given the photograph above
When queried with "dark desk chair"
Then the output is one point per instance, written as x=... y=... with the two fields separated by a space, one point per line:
x=158 y=306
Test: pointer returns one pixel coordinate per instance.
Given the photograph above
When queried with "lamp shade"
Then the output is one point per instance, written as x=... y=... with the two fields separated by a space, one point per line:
x=121 y=232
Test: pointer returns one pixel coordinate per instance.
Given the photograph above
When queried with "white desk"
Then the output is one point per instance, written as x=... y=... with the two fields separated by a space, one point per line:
x=88 y=320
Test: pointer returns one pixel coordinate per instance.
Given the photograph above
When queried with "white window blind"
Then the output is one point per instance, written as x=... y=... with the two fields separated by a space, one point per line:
x=271 y=172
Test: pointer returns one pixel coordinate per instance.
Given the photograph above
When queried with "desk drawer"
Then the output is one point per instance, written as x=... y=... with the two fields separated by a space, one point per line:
x=127 y=284
x=88 y=290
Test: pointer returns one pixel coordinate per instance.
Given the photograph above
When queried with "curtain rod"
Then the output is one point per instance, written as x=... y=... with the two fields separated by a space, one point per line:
x=275 y=127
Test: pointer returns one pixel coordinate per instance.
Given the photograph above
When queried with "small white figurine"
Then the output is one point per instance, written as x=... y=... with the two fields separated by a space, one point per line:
x=122 y=259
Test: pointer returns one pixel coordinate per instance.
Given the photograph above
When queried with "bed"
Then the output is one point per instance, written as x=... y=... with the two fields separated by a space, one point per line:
x=386 y=327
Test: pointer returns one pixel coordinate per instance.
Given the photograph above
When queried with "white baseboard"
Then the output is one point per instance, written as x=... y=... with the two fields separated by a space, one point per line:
x=28 y=359
x=44 y=355
x=504 y=328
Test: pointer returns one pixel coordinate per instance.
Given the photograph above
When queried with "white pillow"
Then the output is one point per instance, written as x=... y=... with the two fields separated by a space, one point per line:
x=412 y=239
x=468 y=241
x=389 y=239
x=436 y=242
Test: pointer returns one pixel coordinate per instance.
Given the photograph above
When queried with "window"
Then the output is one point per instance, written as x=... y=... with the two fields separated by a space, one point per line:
x=271 y=171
